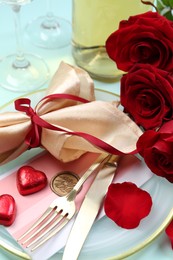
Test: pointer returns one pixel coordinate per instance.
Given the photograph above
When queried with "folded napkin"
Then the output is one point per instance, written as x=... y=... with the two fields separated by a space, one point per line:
x=68 y=122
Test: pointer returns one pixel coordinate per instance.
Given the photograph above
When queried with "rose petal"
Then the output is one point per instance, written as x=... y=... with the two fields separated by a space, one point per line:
x=126 y=204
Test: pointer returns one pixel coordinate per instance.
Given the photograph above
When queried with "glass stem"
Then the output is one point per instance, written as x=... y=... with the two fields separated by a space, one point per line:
x=49 y=9
x=20 y=61
x=50 y=22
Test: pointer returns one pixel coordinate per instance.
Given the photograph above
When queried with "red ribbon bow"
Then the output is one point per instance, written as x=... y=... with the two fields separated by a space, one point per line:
x=33 y=138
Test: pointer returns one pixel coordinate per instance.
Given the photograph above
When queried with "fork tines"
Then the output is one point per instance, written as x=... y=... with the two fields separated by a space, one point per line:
x=59 y=212
x=51 y=222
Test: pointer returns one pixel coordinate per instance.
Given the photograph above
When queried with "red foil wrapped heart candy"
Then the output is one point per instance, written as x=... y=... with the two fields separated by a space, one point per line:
x=7 y=210
x=30 y=180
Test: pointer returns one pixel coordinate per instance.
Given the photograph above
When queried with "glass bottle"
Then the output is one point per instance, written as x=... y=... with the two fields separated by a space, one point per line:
x=92 y=22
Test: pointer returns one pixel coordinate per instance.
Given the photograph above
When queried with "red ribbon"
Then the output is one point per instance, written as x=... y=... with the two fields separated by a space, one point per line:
x=33 y=138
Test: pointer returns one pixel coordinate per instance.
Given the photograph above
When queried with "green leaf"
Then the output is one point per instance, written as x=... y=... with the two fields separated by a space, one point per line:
x=169 y=16
x=164 y=3
x=165 y=8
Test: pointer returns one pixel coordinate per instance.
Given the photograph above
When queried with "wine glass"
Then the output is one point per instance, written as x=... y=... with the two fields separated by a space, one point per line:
x=49 y=31
x=21 y=72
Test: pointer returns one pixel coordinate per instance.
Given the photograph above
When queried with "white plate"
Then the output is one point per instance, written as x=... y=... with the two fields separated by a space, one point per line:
x=105 y=240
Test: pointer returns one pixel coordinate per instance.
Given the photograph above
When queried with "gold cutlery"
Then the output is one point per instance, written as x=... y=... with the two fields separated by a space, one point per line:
x=88 y=211
x=58 y=214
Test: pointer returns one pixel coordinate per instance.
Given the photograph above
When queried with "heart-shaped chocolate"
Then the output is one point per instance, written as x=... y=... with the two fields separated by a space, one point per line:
x=30 y=180
x=7 y=210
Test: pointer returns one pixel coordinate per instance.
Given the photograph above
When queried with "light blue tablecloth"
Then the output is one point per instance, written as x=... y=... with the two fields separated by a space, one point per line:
x=160 y=248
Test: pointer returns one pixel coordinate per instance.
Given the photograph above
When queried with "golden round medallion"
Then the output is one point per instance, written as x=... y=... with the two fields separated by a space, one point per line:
x=64 y=182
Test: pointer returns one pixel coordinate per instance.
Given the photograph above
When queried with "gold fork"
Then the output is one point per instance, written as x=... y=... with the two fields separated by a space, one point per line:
x=57 y=215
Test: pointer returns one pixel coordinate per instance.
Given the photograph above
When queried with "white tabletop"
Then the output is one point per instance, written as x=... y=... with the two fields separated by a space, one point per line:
x=160 y=248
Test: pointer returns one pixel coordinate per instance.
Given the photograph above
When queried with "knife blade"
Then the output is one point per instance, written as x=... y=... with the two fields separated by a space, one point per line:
x=88 y=211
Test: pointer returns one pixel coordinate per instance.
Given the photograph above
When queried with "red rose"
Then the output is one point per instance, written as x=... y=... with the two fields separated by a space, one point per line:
x=144 y=38
x=147 y=95
x=126 y=204
x=157 y=150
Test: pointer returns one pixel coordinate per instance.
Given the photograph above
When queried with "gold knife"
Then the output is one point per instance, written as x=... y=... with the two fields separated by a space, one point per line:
x=88 y=211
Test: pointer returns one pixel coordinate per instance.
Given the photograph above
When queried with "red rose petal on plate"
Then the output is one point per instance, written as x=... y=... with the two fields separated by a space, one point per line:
x=126 y=204
x=169 y=232
x=7 y=210
x=30 y=180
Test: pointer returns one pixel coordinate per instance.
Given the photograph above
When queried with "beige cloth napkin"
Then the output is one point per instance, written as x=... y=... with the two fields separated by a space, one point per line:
x=98 y=118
